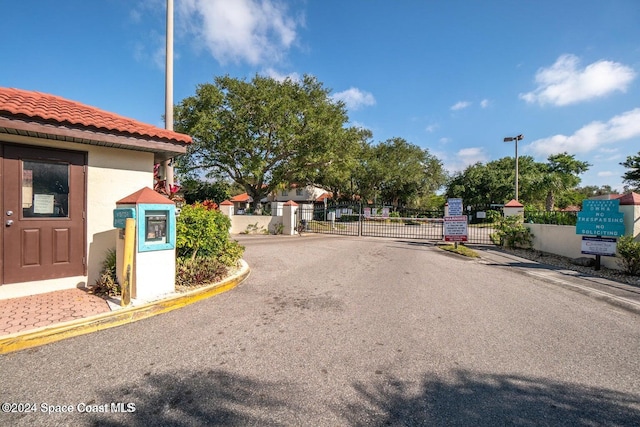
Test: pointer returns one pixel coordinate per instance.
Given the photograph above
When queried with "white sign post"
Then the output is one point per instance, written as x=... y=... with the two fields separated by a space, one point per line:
x=455 y=223
x=455 y=228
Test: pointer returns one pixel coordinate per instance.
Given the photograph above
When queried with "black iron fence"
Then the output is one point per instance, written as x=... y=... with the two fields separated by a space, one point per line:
x=386 y=221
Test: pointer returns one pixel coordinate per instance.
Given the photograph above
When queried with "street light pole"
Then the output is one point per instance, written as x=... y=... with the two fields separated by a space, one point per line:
x=515 y=139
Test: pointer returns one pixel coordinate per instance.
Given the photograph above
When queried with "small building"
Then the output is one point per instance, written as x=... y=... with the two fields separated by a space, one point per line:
x=63 y=166
x=301 y=194
x=241 y=203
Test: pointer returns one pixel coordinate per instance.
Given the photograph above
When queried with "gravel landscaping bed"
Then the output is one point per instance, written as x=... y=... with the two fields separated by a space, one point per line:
x=564 y=262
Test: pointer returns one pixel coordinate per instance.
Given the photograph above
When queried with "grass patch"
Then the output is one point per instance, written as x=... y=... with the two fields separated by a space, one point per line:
x=461 y=250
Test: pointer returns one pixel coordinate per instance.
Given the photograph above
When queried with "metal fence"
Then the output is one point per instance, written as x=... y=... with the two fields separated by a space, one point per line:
x=381 y=221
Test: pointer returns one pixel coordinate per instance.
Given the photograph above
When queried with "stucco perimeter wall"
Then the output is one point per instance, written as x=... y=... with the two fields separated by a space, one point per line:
x=244 y=223
x=563 y=240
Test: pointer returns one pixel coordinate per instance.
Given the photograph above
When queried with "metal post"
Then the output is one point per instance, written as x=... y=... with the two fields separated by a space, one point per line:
x=515 y=139
x=168 y=101
x=517 y=169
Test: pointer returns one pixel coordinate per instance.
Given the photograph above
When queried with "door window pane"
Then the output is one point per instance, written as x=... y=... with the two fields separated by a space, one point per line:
x=45 y=189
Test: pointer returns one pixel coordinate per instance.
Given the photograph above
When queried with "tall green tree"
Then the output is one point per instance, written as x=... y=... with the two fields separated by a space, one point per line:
x=493 y=183
x=632 y=176
x=262 y=133
x=398 y=173
x=559 y=174
x=338 y=176
x=199 y=190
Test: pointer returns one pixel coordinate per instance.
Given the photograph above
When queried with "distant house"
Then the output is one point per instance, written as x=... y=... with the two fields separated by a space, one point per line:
x=241 y=203
x=301 y=194
x=63 y=167
x=308 y=194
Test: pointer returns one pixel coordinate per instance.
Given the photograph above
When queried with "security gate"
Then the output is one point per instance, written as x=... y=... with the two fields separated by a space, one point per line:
x=385 y=221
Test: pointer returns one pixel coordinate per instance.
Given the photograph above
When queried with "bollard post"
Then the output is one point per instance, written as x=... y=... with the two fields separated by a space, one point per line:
x=127 y=267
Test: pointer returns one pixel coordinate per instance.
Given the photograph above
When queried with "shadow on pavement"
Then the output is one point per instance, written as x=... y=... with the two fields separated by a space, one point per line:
x=489 y=400
x=214 y=397
x=464 y=398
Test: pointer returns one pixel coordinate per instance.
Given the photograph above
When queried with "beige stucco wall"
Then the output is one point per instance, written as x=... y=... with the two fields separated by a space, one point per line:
x=111 y=175
x=631 y=220
x=563 y=240
x=241 y=223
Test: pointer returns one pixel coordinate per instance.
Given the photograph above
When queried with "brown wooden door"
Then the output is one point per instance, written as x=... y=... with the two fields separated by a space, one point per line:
x=43 y=192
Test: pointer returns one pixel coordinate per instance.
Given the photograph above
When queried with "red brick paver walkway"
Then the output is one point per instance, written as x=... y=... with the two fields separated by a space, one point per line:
x=21 y=314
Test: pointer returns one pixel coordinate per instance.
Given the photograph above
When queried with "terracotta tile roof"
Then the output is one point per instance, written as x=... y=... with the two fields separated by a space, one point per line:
x=53 y=108
x=514 y=204
x=323 y=196
x=145 y=195
x=630 y=199
x=244 y=197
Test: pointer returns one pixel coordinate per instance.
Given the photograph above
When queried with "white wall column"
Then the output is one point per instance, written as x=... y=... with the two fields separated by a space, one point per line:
x=289 y=210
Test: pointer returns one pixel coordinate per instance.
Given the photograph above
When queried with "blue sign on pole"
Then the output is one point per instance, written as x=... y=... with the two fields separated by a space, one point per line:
x=120 y=216
x=600 y=218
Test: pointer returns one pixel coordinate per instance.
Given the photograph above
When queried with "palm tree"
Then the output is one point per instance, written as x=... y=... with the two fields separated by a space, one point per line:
x=559 y=174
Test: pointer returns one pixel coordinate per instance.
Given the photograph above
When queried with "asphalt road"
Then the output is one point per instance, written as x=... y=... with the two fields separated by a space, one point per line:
x=332 y=331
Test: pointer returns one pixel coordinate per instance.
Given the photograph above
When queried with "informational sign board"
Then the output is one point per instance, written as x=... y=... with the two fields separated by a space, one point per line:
x=120 y=216
x=455 y=228
x=600 y=218
x=455 y=207
x=605 y=246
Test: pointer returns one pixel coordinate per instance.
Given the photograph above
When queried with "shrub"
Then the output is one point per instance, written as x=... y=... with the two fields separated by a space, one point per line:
x=192 y=272
x=107 y=284
x=231 y=253
x=253 y=229
x=493 y=216
x=204 y=232
x=511 y=233
x=278 y=228
x=629 y=251
x=554 y=217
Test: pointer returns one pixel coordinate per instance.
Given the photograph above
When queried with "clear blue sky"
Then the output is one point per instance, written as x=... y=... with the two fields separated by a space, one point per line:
x=452 y=76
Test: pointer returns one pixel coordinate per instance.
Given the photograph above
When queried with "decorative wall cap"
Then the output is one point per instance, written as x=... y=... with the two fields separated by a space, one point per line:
x=514 y=204
x=146 y=196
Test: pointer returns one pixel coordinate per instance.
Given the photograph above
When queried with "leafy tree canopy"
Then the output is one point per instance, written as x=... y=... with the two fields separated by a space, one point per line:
x=399 y=173
x=263 y=133
x=632 y=176
x=539 y=183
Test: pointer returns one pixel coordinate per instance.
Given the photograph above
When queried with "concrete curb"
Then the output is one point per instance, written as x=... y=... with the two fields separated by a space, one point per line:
x=74 y=328
x=602 y=289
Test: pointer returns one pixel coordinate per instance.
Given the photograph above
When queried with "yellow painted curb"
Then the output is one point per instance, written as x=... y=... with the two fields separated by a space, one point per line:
x=74 y=328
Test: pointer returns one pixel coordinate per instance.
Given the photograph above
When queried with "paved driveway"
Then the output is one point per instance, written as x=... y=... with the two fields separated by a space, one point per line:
x=337 y=331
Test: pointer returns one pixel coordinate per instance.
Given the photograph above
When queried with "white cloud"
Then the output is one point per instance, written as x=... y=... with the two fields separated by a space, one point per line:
x=564 y=83
x=460 y=105
x=484 y=103
x=605 y=174
x=466 y=157
x=276 y=75
x=591 y=136
x=472 y=155
x=354 y=98
x=432 y=128
x=444 y=140
x=252 y=31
